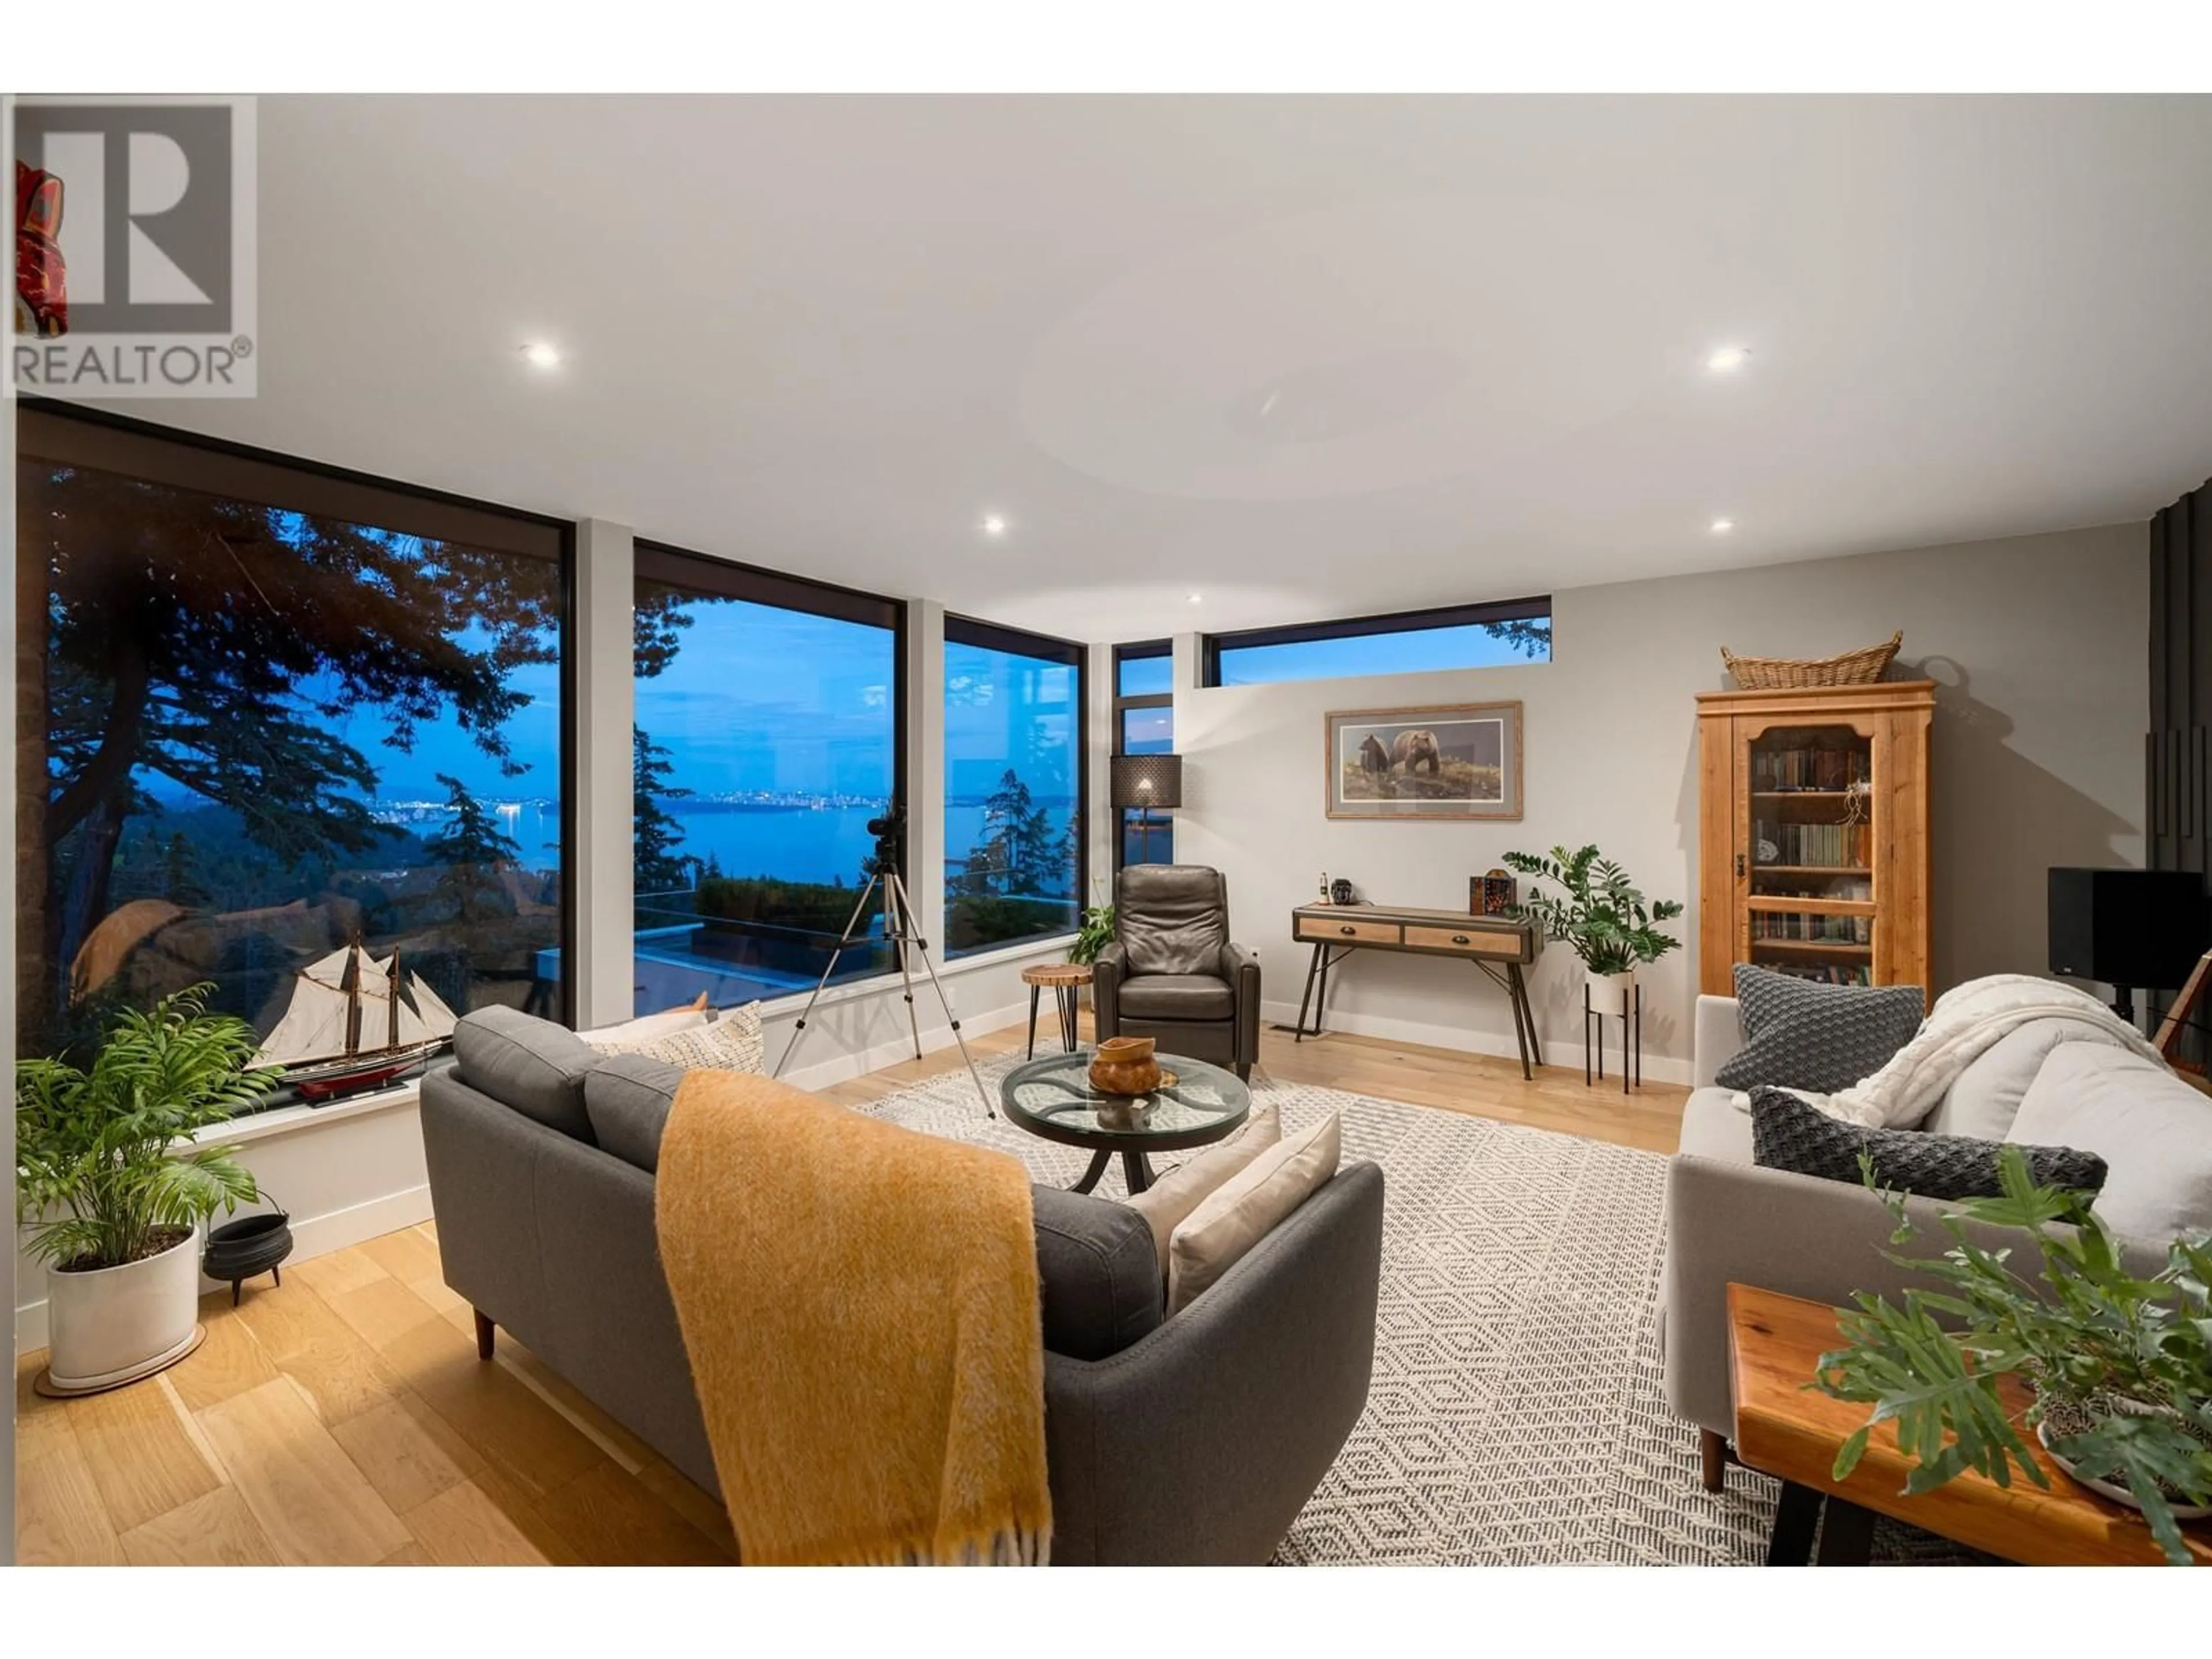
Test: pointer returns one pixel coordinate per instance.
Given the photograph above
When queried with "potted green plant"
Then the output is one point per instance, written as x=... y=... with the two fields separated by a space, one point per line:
x=1598 y=912
x=2120 y=1367
x=110 y=1185
x=1096 y=933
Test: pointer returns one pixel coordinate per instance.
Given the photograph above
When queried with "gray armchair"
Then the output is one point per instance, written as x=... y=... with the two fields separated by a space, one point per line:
x=1171 y=973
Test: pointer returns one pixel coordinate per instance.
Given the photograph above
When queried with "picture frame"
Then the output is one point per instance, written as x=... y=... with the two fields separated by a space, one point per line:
x=1443 y=763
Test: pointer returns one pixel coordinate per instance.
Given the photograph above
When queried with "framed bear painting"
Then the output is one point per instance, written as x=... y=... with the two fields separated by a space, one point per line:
x=1459 y=760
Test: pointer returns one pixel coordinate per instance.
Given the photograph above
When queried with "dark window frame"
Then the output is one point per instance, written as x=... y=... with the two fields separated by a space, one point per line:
x=1210 y=646
x=1045 y=648
x=1141 y=651
x=732 y=579
x=73 y=434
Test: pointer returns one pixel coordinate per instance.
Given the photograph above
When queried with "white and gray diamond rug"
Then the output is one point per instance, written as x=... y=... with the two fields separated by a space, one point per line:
x=1514 y=1416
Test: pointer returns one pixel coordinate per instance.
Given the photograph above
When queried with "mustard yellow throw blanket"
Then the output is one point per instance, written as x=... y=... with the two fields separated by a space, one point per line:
x=860 y=1307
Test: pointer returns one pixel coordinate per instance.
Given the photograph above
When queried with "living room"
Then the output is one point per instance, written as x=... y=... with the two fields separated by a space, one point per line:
x=1178 y=830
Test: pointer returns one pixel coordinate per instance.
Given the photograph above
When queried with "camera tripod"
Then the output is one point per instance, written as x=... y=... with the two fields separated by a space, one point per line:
x=901 y=934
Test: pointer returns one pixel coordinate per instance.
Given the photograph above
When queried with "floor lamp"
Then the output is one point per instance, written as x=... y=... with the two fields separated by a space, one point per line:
x=1146 y=781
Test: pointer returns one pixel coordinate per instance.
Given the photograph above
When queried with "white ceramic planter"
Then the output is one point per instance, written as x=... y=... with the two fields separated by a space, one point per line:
x=115 y=1325
x=1606 y=990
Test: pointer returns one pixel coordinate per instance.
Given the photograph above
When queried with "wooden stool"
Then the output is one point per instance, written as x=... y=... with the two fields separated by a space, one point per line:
x=1068 y=980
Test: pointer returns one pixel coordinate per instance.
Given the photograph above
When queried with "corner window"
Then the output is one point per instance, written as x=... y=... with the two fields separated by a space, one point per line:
x=1407 y=642
x=1013 y=785
x=293 y=732
x=1143 y=724
x=766 y=740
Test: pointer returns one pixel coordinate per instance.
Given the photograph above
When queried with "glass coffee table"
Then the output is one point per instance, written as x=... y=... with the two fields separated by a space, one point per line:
x=1053 y=1098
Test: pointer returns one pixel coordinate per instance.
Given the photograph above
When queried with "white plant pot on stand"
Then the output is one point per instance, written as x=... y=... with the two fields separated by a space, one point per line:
x=1604 y=995
x=110 y=1326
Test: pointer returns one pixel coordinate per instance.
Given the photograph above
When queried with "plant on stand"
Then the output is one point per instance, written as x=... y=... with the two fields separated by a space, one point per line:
x=1597 y=911
x=110 y=1184
x=2120 y=1367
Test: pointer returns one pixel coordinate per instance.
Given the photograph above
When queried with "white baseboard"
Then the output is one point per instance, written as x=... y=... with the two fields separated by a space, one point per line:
x=1564 y=1054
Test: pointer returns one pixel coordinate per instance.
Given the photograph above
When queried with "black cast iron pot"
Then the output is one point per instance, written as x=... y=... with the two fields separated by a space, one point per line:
x=247 y=1247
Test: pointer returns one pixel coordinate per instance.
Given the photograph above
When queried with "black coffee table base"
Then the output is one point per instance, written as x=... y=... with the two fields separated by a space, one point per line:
x=1136 y=1170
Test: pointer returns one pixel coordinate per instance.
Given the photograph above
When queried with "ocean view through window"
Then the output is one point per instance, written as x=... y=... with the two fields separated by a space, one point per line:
x=1490 y=636
x=767 y=735
x=297 y=734
x=1013 y=793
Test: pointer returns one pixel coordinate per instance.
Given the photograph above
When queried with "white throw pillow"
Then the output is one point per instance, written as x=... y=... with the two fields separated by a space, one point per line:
x=1985 y=1098
x=624 y=1038
x=732 y=1044
x=1168 y=1202
x=2153 y=1130
x=1236 y=1215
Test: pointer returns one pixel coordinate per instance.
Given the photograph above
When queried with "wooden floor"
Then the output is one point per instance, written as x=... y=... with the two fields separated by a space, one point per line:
x=345 y=1418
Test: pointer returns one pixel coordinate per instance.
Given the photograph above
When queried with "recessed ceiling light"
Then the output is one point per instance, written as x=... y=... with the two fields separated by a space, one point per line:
x=1198 y=599
x=994 y=525
x=541 y=356
x=1721 y=527
x=1728 y=359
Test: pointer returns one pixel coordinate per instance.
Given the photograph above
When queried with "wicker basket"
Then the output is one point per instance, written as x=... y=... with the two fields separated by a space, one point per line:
x=1861 y=668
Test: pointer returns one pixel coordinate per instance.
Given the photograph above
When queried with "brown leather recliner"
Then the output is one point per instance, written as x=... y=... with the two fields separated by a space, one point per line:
x=1171 y=973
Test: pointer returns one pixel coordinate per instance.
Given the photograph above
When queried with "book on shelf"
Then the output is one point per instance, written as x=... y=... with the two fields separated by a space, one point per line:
x=1823 y=973
x=1780 y=770
x=1839 y=845
x=1797 y=927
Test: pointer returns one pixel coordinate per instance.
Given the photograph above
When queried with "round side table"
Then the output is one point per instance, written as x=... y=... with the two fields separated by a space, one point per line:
x=1068 y=980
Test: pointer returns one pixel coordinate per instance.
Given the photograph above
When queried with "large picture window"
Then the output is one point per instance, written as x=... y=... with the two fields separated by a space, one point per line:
x=293 y=732
x=767 y=740
x=1407 y=642
x=1013 y=785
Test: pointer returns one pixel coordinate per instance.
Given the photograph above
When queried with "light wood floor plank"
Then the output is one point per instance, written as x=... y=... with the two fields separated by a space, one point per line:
x=60 y=1520
x=229 y=1362
x=340 y=1271
x=405 y=1254
x=143 y=1461
x=380 y=1311
x=405 y=1464
x=312 y=1344
x=463 y=1527
x=608 y=1517
x=493 y=1409
x=314 y=1506
x=217 y=1530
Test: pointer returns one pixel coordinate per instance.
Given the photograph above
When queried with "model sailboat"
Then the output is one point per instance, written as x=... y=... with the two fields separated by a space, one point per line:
x=353 y=1023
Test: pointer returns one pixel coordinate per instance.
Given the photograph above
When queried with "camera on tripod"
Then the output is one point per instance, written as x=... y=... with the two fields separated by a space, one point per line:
x=889 y=831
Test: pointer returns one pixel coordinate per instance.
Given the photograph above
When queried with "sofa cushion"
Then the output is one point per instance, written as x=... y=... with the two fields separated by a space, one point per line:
x=1793 y=1134
x=1176 y=996
x=627 y=1098
x=1984 y=1099
x=1714 y=1126
x=1171 y=918
x=1100 y=1276
x=1169 y=1200
x=1801 y=1034
x=532 y=1065
x=732 y=1043
x=1235 y=1216
x=610 y=1039
x=2154 y=1129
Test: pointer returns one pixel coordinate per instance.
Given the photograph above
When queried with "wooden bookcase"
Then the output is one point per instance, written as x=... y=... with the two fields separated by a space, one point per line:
x=1814 y=839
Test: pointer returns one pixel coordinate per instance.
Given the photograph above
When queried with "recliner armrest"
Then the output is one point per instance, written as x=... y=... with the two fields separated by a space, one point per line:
x=1108 y=970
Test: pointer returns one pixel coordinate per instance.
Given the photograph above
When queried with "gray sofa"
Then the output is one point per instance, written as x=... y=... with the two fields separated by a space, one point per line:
x=1191 y=1439
x=1730 y=1220
x=1171 y=972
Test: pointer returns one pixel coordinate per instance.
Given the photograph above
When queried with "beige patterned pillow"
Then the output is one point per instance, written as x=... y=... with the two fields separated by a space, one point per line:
x=732 y=1044
x=1168 y=1201
x=1235 y=1216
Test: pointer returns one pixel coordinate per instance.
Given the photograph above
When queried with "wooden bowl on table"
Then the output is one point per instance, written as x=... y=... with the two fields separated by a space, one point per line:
x=1124 y=1066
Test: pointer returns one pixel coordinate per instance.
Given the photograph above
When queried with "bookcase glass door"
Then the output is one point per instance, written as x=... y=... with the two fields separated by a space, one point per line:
x=1809 y=895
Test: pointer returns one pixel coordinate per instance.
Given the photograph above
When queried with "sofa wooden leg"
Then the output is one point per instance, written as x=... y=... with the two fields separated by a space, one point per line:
x=484 y=1328
x=1712 y=1454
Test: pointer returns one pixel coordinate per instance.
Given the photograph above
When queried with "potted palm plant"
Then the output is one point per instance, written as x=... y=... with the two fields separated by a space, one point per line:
x=1598 y=912
x=111 y=1186
x=2120 y=1368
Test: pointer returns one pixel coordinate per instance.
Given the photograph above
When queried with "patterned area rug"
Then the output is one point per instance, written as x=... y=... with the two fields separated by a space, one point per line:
x=1516 y=1414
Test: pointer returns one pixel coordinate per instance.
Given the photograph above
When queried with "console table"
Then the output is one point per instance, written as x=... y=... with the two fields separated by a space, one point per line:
x=1497 y=946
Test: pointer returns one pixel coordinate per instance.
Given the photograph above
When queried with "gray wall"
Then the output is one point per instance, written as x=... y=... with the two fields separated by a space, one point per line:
x=2038 y=643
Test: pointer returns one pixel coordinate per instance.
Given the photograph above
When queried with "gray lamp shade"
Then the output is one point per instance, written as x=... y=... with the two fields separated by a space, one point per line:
x=1147 y=780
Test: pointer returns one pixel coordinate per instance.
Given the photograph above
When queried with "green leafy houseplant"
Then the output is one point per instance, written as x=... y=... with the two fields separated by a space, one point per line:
x=2130 y=1358
x=106 y=1171
x=1096 y=933
x=1598 y=911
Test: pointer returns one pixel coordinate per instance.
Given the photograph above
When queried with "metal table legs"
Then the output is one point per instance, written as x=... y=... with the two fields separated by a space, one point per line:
x=1510 y=979
x=1136 y=1171
x=1846 y=1530
x=1069 y=997
x=1632 y=1037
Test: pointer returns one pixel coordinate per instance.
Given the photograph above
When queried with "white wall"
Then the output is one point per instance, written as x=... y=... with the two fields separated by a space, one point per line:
x=2038 y=643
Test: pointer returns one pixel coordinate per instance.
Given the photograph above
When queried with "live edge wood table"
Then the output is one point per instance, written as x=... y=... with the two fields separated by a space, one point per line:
x=1784 y=1430
x=1498 y=947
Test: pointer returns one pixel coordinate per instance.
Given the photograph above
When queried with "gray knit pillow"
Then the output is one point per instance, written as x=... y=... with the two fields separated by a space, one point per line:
x=1789 y=1134
x=1798 y=1034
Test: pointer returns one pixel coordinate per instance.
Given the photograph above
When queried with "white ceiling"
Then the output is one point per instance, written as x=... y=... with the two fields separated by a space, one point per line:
x=1303 y=356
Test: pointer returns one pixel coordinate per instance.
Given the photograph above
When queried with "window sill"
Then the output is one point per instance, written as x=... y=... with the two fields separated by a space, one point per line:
x=288 y=1120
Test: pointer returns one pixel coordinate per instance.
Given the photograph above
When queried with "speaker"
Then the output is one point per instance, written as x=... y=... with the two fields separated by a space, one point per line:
x=2128 y=928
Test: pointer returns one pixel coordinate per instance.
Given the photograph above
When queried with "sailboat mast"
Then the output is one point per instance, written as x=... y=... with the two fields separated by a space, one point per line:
x=353 y=998
x=392 y=1037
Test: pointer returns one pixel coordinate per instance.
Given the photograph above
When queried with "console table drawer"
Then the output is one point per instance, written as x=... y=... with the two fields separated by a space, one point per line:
x=1328 y=930
x=1471 y=943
